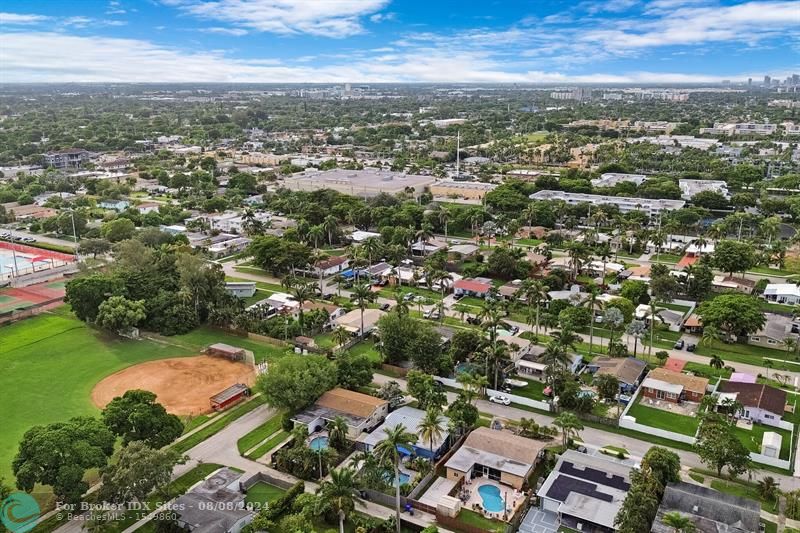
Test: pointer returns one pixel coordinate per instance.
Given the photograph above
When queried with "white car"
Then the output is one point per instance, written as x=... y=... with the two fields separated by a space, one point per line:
x=499 y=398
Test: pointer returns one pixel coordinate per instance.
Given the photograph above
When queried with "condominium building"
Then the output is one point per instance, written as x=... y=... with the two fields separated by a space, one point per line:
x=651 y=206
x=71 y=158
x=691 y=187
x=740 y=128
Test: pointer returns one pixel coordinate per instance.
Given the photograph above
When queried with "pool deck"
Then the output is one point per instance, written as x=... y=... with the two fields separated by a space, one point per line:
x=513 y=499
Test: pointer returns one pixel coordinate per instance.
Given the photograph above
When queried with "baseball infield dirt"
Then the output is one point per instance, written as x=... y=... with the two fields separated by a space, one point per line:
x=183 y=384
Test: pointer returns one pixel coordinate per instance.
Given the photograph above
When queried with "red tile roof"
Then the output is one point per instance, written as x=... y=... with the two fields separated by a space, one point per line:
x=472 y=285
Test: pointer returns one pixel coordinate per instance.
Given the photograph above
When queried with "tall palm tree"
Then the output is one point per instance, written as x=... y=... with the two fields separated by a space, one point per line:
x=711 y=334
x=577 y=253
x=341 y=336
x=678 y=522
x=388 y=452
x=340 y=493
x=654 y=313
x=302 y=292
x=535 y=293
x=372 y=248
x=471 y=385
x=316 y=234
x=318 y=256
x=494 y=356
x=569 y=425
x=423 y=235
x=491 y=317
x=461 y=309
x=444 y=217
x=636 y=329
x=362 y=294
x=593 y=304
x=330 y=225
x=556 y=358
x=431 y=429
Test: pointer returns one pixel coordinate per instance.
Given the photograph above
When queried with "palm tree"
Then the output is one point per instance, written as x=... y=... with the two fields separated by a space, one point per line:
x=341 y=336
x=555 y=358
x=315 y=234
x=491 y=319
x=654 y=313
x=444 y=217
x=431 y=428
x=604 y=253
x=593 y=304
x=362 y=295
x=340 y=493
x=791 y=346
x=768 y=488
x=461 y=309
x=423 y=235
x=371 y=247
x=636 y=329
x=569 y=424
x=337 y=432
x=716 y=362
x=679 y=522
x=330 y=225
x=302 y=292
x=388 y=452
x=535 y=293
x=496 y=354
x=711 y=334
x=577 y=253
x=768 y=364
x=318 y=256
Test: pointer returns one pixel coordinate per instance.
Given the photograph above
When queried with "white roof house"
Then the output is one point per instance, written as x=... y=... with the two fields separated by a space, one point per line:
x=784 y=293
x=361 y=236
x=691 y=187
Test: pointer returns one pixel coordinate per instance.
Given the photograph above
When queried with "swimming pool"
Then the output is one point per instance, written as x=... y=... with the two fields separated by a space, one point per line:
x=403 y=478
x=492 y=501
x=318 y=443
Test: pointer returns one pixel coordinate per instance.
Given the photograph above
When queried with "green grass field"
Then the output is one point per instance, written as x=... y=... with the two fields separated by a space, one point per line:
x=259 y=434
x=751 y=438
x=263 y=493
x=51 y=363
x=649 y=416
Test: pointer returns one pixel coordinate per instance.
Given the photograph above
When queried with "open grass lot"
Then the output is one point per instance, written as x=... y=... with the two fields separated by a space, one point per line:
x=51 y=363
x=259 y=434
x=649 y=416
x=745 y=353
x=752 y=438
x=743 y=490
x=391 y=292
x=474 y=519
x=533 y=390
x=369 y=349
x=263 y=493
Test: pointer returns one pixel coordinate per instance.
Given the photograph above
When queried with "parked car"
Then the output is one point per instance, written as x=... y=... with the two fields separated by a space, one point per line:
x=433 y=314
x=513 y=329
x=384 y=307
x=679 y=345
x=691 y=347
x=408 y=297
x=473 y=320
x=499 y=398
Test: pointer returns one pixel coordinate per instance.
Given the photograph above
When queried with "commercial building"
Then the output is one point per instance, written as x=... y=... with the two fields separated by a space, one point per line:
x=609 y=179
x=689 y=188
x=358 y=182
x=652 y=207
x=740 y=128
x=498 y=455
x=468 y=190
x=586 y=491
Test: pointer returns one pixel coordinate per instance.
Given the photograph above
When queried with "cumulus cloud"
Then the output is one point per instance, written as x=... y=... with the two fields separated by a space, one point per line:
x=328 y=18
x=236 y=32
x=52 y=57
x=10 y=19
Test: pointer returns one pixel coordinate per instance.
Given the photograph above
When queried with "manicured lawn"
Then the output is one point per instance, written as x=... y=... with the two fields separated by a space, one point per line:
x=474 y=519
x=325 y=340
x=707 y=371
x=666 y=258
x=259 y=434
x=368 y=348
x=772 y=307
x=202 y=337
x=752 y=438
x=528 y=242
x=263 y=285
x=745 y=353
x=745 y=491
x=472 y=301
x=220 y=423
x=189 y=423
x=273 y=441
x=262 y=493
x=533 y=390
x=649 y=416
x=50 y=365
x=675 y=307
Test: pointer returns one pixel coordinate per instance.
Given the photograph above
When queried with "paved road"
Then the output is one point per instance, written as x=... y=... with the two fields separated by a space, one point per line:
x=68 y=242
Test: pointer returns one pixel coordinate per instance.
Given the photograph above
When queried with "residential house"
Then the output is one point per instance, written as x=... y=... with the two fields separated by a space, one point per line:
x=761 y=403
x=509 y=290
x=410 y=418
x=693 y=324
x=531 y=362
x=359 y=236
x=710 y=511
x=351 y=321
x=147 y=207
x=675 y=387
x=333 y=265
x=116 y=205
x=362 y=412
x=573 y=295
x=673 y=319
x=782 y=293
x=776 y=330
x=334 y=311
x=426 y=248
x=628 y=370
x=240 y=289
x=462 y=251
x=586 y=491
x=730 y=283
x=498 y=455
x=377 y=272
x=478 y=287
x=215 y=505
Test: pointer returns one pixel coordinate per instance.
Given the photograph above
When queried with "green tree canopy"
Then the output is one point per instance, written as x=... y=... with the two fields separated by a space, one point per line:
x=136 y=416
x=295 y=382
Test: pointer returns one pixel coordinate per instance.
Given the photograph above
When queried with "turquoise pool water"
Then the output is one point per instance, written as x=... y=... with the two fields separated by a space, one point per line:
x=318 y=443
x=492 y=501
x=403 y=478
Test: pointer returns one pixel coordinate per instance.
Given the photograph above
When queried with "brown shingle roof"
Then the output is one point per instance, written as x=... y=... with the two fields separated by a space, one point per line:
x=627 y=370
x=350 y=402
x=757 y=395
x=690 y=383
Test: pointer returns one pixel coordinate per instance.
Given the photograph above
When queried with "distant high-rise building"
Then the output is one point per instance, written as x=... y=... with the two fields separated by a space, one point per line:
x=749 y=82
x=767 y=80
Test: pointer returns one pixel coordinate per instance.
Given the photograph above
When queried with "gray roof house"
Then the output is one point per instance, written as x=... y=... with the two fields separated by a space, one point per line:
x=586 y=491
x=711 y=511
x=214 y=506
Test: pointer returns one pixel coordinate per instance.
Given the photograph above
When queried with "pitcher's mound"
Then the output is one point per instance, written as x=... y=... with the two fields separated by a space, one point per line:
x=183 y=384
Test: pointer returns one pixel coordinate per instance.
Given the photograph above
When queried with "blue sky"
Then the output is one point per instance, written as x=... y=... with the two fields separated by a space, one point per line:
x=554 y=42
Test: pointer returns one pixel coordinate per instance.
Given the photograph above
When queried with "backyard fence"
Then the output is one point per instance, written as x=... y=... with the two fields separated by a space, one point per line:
x=629 y=422
x=263 y=477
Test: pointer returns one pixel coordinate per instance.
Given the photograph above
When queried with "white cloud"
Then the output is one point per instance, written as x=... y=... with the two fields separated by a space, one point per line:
x=382 y=17
x=56 y=57
x=328 y=18
x=236 y=32
x=20 y=19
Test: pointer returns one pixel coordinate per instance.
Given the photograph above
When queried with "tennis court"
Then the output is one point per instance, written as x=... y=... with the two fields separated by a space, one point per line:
x=13 y=298
x=19 y=259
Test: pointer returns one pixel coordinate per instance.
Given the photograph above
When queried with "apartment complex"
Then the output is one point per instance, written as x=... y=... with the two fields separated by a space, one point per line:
x=358 y=182
x=740 y=128
x=71 y=158
x=651 y=206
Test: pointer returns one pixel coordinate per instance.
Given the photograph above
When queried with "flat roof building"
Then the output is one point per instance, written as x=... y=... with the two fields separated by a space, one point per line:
x=369 y=182
x=626 y=204
x=609 y=179
x=691 y=187
x=470 y=190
